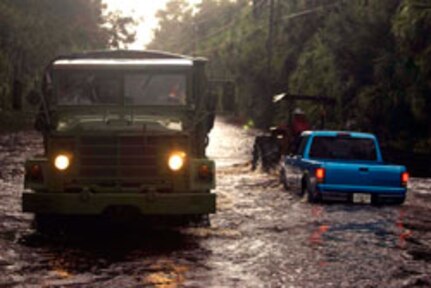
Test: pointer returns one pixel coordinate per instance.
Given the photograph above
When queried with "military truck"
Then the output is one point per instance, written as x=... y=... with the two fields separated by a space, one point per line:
x=123 y=131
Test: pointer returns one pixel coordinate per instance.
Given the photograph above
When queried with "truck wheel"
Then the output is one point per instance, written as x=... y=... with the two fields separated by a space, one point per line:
x=45 y=224
x=304 y=189
x=283 y=179
x=256 y=155
x=199 y=220
x=311 y=197
x=400 y=201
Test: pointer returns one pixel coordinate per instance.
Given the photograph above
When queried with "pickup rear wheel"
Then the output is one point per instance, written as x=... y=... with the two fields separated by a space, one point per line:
x=312 y=197
x=283 y=179
x=400 y=201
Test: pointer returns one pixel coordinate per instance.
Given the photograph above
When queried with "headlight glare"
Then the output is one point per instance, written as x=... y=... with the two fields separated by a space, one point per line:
x=176 y=161
x=62 y=162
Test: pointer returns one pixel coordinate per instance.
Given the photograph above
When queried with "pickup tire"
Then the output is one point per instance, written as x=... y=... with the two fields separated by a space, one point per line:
x=312 y=197
x=283 y=179
x=399 y=201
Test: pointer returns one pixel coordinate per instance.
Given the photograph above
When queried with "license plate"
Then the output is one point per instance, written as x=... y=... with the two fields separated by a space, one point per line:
x=361 y=198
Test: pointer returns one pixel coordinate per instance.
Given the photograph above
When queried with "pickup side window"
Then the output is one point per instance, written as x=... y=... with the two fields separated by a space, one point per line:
x=343 y=148
x=301 y=144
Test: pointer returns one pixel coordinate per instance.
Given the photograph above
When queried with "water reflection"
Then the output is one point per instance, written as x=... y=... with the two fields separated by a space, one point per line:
x=403 y=233
x=316 y=236
x=346 y=233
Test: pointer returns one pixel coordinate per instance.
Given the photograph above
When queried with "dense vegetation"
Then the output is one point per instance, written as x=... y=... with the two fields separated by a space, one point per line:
x=372 y=56
x=32 y=32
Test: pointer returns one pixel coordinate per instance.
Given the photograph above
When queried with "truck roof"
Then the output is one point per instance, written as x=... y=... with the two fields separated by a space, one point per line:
x=121 y=62
x=126 y=54
x=333 y=133
x=122 y=58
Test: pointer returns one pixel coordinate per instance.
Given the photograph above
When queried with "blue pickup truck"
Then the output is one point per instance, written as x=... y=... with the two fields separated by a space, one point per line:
x=343 y=166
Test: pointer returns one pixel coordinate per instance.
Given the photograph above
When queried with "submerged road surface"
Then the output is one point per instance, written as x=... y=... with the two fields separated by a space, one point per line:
x=261 y=236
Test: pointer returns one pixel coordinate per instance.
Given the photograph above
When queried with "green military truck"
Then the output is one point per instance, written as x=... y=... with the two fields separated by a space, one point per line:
x=123 y=131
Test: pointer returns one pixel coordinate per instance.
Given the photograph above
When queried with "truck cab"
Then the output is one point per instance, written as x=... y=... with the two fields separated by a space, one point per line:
x=123 y=130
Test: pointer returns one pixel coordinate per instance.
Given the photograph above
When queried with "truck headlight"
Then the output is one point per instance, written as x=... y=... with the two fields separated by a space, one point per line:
x=176 y=160
x=62 y=162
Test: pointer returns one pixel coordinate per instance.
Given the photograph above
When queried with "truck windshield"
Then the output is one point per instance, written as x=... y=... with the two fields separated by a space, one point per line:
x=343 y=148
x=103 y=88
x=155 y=89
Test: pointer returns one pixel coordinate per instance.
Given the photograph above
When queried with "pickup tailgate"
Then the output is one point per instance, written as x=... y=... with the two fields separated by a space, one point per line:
x=363 y=176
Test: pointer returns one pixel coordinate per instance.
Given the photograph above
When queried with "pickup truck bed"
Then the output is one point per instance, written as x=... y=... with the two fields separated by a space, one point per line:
x=348 y=166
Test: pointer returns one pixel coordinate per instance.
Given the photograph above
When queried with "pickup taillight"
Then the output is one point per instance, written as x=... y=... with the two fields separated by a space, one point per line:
x=320 y=175
x=404 y=178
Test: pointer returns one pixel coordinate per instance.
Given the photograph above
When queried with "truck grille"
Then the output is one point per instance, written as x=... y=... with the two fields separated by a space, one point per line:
x=122 y=157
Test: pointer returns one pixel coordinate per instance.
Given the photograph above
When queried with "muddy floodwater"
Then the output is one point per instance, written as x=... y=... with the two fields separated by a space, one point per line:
x=261 y=236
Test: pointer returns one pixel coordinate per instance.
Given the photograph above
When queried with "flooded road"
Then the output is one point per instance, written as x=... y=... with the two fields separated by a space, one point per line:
x=261 y=236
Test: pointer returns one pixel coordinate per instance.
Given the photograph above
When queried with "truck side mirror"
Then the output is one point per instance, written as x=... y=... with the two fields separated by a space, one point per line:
x=33 y=97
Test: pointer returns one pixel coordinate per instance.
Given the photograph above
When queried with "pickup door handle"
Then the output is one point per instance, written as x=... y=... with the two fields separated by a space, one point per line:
x=363 y=169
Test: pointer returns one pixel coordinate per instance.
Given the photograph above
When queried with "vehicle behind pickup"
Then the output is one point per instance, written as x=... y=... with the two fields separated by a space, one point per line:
x=347 y=166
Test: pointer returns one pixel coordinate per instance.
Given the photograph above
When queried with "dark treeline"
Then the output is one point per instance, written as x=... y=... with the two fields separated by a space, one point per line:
x=372 y=56
x=32 y=32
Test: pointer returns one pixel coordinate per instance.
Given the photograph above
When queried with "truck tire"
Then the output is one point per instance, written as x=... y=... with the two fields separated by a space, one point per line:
x=400 y=201
x=311 y=197
x=200 y=220
x=45 y=224
x=58 y=224
x=266 y=153
x=283 y=179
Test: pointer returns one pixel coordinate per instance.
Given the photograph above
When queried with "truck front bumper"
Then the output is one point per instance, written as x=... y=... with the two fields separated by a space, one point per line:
x=98 y=203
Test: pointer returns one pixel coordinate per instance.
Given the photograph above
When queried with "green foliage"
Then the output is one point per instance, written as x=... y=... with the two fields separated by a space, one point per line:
x=372 y=56
x=175 y=22
x=35 y=31
x=412 y=28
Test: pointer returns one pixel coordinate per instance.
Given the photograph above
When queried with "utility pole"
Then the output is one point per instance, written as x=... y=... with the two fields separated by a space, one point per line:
x=270 y=37
x=269 y=48
x=195 y=37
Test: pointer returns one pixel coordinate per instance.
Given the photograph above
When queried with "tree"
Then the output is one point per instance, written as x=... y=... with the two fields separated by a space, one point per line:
x=35 y=31
x=372 y=56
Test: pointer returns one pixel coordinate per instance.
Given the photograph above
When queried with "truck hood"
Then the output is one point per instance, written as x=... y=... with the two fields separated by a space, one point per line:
x=118 y=122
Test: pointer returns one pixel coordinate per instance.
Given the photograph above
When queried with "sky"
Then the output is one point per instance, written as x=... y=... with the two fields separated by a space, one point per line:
x=145 y=12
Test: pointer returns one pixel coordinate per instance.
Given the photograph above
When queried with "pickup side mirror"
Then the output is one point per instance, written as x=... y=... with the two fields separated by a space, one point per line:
x=34 y=97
